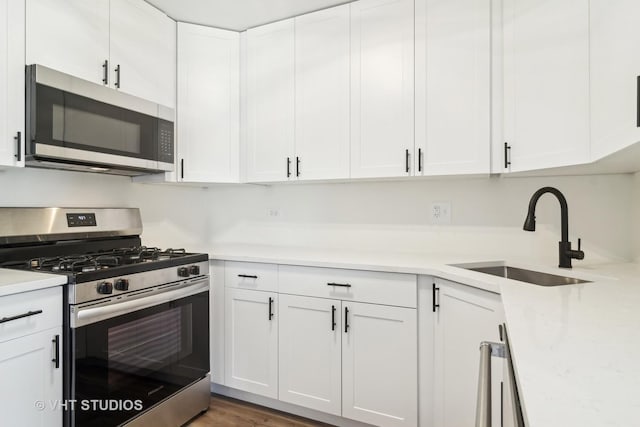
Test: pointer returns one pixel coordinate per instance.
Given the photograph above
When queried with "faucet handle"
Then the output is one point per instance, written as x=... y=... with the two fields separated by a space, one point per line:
x=579 y=243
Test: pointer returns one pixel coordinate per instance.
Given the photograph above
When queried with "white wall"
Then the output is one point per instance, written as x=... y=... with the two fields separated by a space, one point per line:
x=389 y=215
x=370 y=214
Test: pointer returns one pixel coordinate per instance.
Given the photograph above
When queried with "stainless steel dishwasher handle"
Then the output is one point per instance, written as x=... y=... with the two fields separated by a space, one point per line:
x=483 y=405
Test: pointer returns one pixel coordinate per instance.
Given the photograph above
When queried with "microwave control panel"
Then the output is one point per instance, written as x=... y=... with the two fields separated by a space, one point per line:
x=165 y=141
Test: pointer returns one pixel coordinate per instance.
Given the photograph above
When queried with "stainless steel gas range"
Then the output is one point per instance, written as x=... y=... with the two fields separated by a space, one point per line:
x=136 y=343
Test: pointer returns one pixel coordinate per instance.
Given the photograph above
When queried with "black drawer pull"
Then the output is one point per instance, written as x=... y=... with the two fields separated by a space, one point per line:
x=247 y=276
x=105 y=72
x=341 y=285
x=20 y=316
x=56 y=358
x=435 y=290
x=270 y=308
x=346 y=320
x=18 y=139
x=333 y=317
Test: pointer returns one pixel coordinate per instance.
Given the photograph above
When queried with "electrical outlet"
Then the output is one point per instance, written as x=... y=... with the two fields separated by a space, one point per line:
x=273 y=213
x=441 y=213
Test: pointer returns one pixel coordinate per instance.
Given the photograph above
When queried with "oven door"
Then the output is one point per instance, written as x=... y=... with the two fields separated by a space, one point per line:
x=127 y=359
x=75 y=121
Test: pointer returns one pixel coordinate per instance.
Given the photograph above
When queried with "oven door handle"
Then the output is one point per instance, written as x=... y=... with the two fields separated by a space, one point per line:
x=93 y=314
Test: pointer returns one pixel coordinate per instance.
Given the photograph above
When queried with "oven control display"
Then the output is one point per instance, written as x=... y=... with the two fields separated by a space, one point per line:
x=81 y=220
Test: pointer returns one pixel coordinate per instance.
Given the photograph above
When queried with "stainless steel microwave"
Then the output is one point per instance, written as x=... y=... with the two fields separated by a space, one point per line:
x=79 y=125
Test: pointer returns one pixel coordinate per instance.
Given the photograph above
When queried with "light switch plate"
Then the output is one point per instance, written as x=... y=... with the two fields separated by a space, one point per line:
x=440 y=213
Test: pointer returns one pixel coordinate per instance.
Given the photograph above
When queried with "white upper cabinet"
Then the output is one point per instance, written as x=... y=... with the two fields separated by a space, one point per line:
x=270 y=102
x=322 y=82
x=143 y=51
x=615 y=75
x=71 y=36
x=125 y=44
x=12 y=45
x=208 y=110
x=453 y=42
x=382 y=89
x=546 y=84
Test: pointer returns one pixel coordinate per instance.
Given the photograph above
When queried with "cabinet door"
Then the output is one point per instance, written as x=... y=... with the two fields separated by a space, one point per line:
x=466 y=317
x=380 y=364
x=12 y=45
x=31 y=386
x=322 y=82
x=382 y=52
x=208 y=110
x=71 y=36
x=546 y=83
x=615 y=75
x=270 y=100
x=251 y=341
x=310 y=358
x=143 y=46
x=453 y=51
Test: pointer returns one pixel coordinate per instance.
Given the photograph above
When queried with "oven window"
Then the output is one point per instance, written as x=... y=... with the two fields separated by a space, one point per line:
x=142 y=356
x=77 y=127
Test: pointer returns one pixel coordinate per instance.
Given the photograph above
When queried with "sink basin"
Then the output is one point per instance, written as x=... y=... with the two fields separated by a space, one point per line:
x=529 y=276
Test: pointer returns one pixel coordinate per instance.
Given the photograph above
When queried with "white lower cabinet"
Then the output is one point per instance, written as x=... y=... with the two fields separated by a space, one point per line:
x=464 y=317
x=31 y=358
x=351 y=359
x=251 y=341
x=379 y=364
x=310 y=352
x=30 y=379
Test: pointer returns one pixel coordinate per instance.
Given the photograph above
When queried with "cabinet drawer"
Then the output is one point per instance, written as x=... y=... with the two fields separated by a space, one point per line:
x=40 y=310
x=349 y=285
x=251 y=275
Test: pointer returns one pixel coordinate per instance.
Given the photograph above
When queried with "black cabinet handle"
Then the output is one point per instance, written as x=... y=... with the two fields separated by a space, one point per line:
x=118 y=76
x=270 y=308
x=288 y=167
x=638 y=102
x=297 y=166
x=507 y=155
x=341 y=285
x=419 y=159
x=346 y=319
x=247 y=276
x=56 y=357
x=435 y=290
x=18 y=139
x=333 y=317
x=181 y=168
x=105 y=72
x=406 y=160
x=20 y=316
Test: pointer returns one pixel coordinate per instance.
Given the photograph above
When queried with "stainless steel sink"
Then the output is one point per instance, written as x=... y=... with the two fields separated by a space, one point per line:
x=529 y=276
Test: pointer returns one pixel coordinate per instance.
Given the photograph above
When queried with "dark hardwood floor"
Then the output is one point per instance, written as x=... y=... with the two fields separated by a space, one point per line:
x=227 y=412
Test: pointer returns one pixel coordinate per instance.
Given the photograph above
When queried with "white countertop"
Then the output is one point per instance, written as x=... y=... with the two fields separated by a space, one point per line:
x=17 y=281
x=576 y=349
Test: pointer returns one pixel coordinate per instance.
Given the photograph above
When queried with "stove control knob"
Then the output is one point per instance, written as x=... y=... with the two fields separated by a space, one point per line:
x=105 y=288
x=122 y=285
x=183 y=272
x=194 y=269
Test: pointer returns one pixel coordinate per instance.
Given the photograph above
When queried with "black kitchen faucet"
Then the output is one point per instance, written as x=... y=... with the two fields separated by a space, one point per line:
x=565 y=251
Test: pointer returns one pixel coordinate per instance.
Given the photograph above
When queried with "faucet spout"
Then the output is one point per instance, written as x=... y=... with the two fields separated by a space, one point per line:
x=565 y=251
